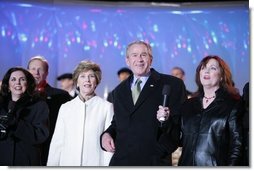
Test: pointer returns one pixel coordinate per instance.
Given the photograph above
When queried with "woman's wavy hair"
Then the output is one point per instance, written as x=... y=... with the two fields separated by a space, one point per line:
x=226 y=81
x=86 y=66
x=31 y=84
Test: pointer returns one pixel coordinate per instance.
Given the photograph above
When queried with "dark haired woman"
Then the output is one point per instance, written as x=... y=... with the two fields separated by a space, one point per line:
x=210 y=124
x=23 y=120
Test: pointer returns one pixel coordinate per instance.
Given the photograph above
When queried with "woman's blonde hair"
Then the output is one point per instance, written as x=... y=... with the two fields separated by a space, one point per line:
x=86 y=66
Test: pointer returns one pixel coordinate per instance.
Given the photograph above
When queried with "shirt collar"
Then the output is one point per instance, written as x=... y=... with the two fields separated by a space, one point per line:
x=143 y=79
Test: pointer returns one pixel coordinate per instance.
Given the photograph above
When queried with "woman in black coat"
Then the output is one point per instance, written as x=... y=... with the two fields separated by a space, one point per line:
x=23 y=120
x=210 y=124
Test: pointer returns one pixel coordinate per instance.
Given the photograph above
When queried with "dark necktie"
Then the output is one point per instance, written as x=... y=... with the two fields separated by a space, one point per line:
x=136 y=90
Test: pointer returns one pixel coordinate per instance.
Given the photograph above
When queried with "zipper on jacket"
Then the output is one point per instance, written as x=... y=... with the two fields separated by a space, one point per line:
x=83 y=139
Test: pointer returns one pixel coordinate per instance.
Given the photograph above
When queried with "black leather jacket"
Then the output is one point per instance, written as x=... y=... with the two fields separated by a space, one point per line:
x=211 y=136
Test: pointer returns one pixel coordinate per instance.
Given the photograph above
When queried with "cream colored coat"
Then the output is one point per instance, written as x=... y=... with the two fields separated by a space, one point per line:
x=76 y=139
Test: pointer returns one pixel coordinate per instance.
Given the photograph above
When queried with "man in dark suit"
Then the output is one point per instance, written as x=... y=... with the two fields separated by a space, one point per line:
x=38 y=67
x=67 y=84
x=135 y=135
x=123 y=74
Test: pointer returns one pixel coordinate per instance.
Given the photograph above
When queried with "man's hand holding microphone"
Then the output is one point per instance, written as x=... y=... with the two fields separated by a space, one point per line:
x=163 y=112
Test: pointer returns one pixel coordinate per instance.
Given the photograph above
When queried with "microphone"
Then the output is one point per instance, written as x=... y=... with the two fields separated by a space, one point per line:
x=165 y=93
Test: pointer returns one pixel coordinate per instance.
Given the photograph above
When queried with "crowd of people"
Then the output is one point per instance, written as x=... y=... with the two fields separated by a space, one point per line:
x=146 y=118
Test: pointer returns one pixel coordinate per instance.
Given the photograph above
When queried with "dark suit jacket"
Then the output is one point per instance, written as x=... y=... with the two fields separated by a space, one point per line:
x=138 y=138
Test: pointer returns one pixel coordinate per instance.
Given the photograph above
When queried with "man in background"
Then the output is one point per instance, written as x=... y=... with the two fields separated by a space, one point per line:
x=67 y=84
x=179 y=73
x=39 y=68
x=122 y=74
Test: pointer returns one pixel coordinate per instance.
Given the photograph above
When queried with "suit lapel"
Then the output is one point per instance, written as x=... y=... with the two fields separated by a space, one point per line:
x=126 y=97
x=149 y=88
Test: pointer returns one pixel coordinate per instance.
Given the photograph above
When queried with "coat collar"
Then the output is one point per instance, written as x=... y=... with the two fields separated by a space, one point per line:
x=148 y=88
x=91 y=101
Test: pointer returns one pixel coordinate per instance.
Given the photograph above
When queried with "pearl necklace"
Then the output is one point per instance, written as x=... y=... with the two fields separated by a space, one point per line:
x=208 y=98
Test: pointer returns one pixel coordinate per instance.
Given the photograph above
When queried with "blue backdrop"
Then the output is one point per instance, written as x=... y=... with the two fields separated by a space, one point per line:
x=181 y=35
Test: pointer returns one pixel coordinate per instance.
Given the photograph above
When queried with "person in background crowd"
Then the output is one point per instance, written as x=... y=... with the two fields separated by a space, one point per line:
x=245 y=99
x=179 y=73
x=136 y=136
x=211 y=120
x=39 y=68
x=67 y=84
x=76 y=140
x=23 y=120
x=122 y=74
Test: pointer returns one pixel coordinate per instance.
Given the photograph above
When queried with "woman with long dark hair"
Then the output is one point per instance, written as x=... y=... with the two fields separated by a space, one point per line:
x=23 y=120
x=210 y=124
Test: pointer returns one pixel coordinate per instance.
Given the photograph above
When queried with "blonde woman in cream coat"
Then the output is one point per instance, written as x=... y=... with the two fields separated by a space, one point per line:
x=76 y=139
